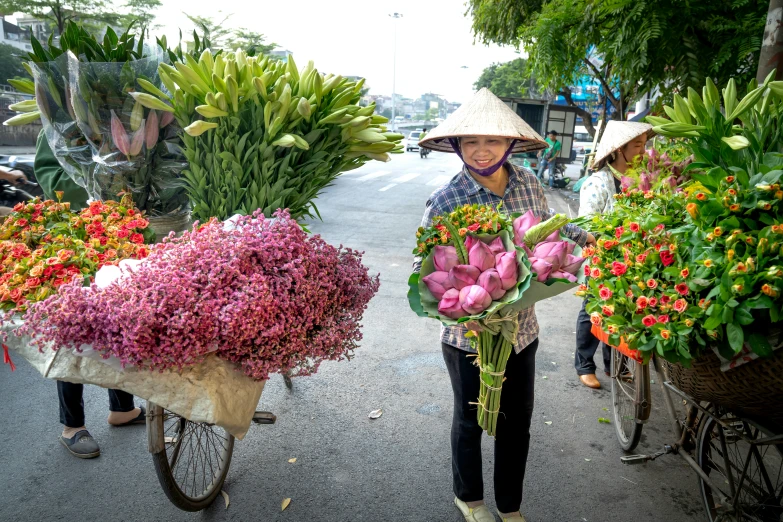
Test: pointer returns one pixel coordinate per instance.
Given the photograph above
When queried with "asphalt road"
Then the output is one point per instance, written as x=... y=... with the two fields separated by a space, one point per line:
x=350 y=468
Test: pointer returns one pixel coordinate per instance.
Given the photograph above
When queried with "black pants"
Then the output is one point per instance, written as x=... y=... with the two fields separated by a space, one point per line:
x=513 y=431
x=72 y=403
x=587 y=344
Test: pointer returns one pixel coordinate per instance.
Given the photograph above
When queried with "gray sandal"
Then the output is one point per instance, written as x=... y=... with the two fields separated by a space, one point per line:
x=81 y=445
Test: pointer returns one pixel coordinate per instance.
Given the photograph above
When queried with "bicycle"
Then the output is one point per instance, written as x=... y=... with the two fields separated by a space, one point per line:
x=738 y=460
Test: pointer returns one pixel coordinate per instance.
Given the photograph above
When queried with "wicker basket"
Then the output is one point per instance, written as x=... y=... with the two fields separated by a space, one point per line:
x=754 y=389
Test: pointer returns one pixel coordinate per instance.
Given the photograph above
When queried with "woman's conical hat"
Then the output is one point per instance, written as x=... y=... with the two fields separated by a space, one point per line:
x=484 y=115
x=616 y=135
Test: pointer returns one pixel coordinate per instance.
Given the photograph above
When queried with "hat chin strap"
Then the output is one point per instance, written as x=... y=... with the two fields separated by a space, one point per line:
x=489 y=170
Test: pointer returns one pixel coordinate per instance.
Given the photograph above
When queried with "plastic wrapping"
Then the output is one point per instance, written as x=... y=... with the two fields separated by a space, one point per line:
x=134 y=149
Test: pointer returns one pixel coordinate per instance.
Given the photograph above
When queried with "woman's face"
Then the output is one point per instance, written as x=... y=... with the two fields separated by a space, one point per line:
x=634 y=148
x=481 y=152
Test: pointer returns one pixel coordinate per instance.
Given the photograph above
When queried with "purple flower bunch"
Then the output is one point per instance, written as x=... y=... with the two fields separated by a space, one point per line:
x=264 y=295
x=469 y=289
x=552 y=258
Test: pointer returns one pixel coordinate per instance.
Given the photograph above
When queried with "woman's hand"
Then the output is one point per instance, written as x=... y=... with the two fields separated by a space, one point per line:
x=591 y=240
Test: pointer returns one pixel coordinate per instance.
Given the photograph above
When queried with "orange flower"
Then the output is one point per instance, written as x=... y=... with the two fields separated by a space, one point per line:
x=685 y=272
x=708 y=263
x=665 y=334
x=770 y=290
x=596 y=319
x=717 y=232
x=701 y=196
x=734 y=208
x=729 y=179
x=692 y=209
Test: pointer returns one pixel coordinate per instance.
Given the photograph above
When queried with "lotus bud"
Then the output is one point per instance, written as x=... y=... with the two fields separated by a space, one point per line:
x=166 y=118
x=563 y=275
x=497 y=246
x=151 y=130
x=118 y=134
x=474 y=299
x=463 y=275
x=507 y=268
x=481 y=256
x=491 y=282
x=524 y=223
x=573 y=264
x=541 y=267
x=136 y=116
x=470 y=241
x=138 y=140
x=199 y=127
x=438 y=283
x=450 y=305
x=444 y=258
x=553 y=253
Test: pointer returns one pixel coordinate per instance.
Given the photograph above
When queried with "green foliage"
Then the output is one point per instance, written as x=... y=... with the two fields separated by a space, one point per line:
x=10 y=63
x=59 y=12
x=229 y=38
x=74 y=38
x=509 y=79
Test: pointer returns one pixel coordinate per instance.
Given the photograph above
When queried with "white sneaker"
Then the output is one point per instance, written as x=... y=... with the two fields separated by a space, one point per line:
x=517 y=517
x=476 y=514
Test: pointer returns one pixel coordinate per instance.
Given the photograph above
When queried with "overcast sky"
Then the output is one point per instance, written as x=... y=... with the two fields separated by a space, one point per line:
x=355 y=37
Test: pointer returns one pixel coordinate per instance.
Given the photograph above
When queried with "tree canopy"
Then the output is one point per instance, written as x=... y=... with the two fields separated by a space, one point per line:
x=508 y=79
x=58 y=12
x=231 y=38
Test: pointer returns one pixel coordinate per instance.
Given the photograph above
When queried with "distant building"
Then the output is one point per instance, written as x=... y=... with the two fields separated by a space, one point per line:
x=39 y=28
x=281 y=54
x=15 y=36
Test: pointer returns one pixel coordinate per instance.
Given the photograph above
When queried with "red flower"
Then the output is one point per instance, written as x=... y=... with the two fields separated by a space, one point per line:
x=605 y=294
x=682 y=289
x=595 y=260
x=666 y=258
x=122 y=233
x=680 y=305
x=629 y=293
x=658 y=247
x=618 y=268
x=132 y=212
x=649 y=320
x=685 y=272
x=663 y=319
x=472 y=228
x=136 y=238
x=618 y=232
x=653 y=302
x=18 y=207
x=21 y=222
x=103 y=240
x=641 y=258
x=48 y=271
x=596 y=319
x=665 y=299
x=634 y=227
x=608 y=311
x=642 y=302
x=652 y=283
x=32 y=282
x=587 y=270
x=595 y=273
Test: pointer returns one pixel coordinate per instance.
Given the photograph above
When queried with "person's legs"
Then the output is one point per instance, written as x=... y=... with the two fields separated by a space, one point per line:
x=552 y=165
x=586 y=344
x=465 y=430
x=71 y=406
x=513 y=430
x=541 y=169
x=121 y=407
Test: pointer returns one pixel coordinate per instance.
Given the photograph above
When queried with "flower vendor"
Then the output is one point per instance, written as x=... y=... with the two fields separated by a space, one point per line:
x=621 y=143
x=484 y=133
x=122 y=411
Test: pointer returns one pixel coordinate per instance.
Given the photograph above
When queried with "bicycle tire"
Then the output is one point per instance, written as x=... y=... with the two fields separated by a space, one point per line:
x=628 y=421
x=174 y=484
x=767 y=508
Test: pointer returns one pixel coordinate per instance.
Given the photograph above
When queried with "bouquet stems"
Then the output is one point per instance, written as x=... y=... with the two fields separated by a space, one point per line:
x=493 y=353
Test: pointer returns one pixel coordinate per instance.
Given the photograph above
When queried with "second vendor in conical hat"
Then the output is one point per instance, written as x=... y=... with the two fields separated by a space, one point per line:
x=484 y=132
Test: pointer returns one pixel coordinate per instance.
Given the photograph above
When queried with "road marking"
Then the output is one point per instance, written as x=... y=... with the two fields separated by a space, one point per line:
x=438 y=181
x=387 y=187
x=373 y=175
x=407 y=177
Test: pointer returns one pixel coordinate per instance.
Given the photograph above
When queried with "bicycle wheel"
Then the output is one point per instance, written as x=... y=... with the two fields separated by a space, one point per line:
x=630 y=398
x=751 y=474
x=193 y=461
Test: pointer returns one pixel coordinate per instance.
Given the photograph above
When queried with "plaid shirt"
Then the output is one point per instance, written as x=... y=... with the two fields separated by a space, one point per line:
x=523 y=192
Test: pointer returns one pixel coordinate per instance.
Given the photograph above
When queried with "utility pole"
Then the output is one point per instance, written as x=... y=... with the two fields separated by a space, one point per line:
x=771 y=56
x=395 y=16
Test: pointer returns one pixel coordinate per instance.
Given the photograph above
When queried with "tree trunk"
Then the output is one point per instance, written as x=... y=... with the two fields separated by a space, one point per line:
x=587 y=118
x=771 y=56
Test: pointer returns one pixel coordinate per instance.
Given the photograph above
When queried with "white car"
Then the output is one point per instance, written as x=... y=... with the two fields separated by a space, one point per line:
x=412 y=144
x=583 y=142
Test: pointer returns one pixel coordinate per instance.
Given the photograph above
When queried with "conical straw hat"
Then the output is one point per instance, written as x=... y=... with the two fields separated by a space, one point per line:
x=616 y=135
x=484 y=115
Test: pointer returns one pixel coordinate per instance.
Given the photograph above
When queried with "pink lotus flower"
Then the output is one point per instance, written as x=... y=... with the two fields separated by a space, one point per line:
x=491 y=282
x=524 y=223
x=470 y=241
x=554 y=253
x=554 y=236
x=497 y=246
x=463 y=275
x=438 y=283
x=572 y=264
x=481 y=256
x=541 y=267
x=563 y=275
x=450 y=304
x=474 y=299
x=506 y=266
x=444 y=258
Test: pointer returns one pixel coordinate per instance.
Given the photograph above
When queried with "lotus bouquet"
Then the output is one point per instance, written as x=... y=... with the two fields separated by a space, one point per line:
x=473 y=274
x=261 y=294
